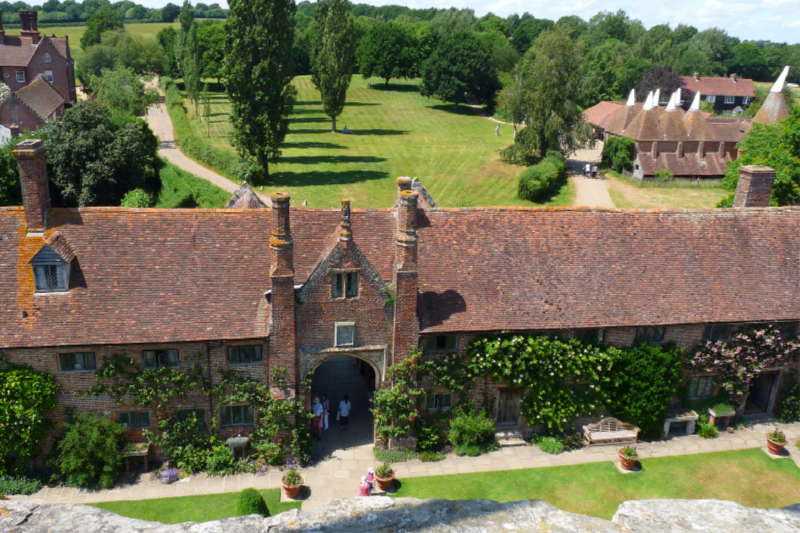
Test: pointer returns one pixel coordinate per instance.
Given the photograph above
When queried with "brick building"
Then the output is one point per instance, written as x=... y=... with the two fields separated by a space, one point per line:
x=30 y=55
x=31 y=107
x=254 y=289
x=725 y=94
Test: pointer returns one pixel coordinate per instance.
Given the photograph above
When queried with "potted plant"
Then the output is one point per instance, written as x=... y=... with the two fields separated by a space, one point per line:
x=384 y=475
x=776 y=440
x=292 y=483
x=628 y=457
x=723 y=411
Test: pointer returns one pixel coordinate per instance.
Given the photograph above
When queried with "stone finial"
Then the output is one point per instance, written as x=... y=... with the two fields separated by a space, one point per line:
x=345 y=234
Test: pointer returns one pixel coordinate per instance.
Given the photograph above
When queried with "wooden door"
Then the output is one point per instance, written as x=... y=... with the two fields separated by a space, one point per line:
x=508 y=407
x=761 y=389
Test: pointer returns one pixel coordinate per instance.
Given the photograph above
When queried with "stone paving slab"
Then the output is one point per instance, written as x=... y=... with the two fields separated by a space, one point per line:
x=338 y=476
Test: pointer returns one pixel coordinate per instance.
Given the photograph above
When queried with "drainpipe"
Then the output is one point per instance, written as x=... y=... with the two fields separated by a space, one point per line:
x=210 y=393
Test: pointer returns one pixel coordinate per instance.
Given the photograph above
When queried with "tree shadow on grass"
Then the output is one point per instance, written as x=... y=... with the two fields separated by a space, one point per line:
x=316 y=145
x=396 y=87
x=359 y=104
x=307 y=131
x=304 y=179
x=308 y=102
x=300 y=120
x=296 y=111
x=380 y=132
x=316 y=159
x=460 y=110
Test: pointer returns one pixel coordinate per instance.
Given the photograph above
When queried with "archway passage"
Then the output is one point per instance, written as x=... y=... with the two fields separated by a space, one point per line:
x=337 y=377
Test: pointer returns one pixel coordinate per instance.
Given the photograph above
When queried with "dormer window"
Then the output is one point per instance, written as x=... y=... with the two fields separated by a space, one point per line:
x=50 y=271
x=48 y=58
x=345 y=285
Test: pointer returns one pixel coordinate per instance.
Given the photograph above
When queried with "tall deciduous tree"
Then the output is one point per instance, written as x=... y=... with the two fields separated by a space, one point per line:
x=387 y=51
x=187 y=54
x=550 y=95
x=461 y=64
x=258 y=73
x=333 y=64
x=104 y=19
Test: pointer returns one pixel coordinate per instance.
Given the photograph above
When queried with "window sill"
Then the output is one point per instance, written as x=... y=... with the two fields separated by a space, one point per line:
x=253 y=363
x=78 y=371
x=236 y=425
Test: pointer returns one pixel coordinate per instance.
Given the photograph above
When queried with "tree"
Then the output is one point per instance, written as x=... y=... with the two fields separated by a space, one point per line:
x=166 y=38
x=447 y=22
x=460 y=65
x=551 y=92
x=335 y=48
x=258 y=73
x=492 y=23
x=10 y=191
x=93 y=161
x=123 y=90
x=119 y=49
x=748 y=61
x=103 y=20
x=387 y=51
x=661 y=78
x=207 y=109
x=187 y=54
x=169 y=13
x=211 y=48
x=527 y=32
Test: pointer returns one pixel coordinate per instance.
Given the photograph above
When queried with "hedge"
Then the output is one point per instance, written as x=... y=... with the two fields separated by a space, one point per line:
x=224 y=162
x=618 y=152
x=538 y=180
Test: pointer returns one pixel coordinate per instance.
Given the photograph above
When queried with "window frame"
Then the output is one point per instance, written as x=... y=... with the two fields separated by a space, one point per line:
x=21 y=74
x=61 y=357
x=708 y=387
x=745 y=100
x=338 y=325
x=433 y=347
x=62 y=274
x=129 y=415
x=49 y=79
x=712 y=333
x=156 y=354
x=47 y=58
x=711 y=98
x=729 y=100
x=246 y=409
x=251 y=361
x=183 y=414
x=648 y=336
x=342 y=284
x=431 y=406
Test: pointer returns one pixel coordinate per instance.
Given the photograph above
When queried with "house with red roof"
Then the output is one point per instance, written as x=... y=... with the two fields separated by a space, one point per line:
x=725 y=94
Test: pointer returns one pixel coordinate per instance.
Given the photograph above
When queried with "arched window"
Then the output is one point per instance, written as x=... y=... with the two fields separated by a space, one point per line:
x=48 y=58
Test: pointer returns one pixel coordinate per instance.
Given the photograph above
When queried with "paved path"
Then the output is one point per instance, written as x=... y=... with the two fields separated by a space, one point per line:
x=160 y=122
x=338 y=476
x=590 y=192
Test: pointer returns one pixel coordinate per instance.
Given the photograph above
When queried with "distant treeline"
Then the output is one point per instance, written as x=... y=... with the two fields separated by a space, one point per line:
x=54 y=12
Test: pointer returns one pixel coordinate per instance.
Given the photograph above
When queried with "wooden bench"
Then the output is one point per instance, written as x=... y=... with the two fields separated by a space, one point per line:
x=610 y=431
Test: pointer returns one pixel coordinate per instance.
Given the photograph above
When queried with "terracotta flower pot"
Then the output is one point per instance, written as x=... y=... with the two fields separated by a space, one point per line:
x=384 y=484
x=775 y=448
x=626 y=463
x=292 y=490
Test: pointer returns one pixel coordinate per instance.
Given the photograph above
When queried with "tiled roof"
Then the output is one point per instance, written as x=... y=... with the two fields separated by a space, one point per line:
x=18 y=50
x=720 y=86
x=712 y=165
x=773 y=110
x=41 y=97
x=602 y=115
x=245 y=198
x=150 y=275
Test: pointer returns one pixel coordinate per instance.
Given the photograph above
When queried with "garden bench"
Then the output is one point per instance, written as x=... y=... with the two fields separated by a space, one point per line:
x=610 y=431
x=136 y=449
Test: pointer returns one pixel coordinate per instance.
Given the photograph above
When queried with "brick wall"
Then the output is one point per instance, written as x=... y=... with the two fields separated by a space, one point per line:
x=13 y=111
x=754 y=186
x=63 y=74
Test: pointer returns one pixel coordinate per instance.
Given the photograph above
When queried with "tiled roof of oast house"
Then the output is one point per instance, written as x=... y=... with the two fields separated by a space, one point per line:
x=150 y=275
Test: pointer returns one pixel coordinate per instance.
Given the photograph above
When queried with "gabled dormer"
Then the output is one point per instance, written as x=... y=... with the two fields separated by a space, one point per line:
x=51 y=265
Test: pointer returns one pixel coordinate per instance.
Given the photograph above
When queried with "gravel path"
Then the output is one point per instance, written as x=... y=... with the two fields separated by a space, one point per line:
x=590 y=192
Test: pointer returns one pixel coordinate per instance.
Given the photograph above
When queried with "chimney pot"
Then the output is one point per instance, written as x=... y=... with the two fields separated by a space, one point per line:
x=754 y=187
x=403 y=184
x=32 y=165
x=734 y=77
x=696 y=76
x=281 y=240
x=345 y=234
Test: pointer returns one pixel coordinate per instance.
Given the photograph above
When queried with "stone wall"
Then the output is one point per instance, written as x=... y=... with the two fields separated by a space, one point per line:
x=381 y=513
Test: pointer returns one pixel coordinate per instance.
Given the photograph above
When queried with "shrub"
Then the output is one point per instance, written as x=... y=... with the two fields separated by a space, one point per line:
x=618 y=152
x=137 y=198
x=473 y=450
x=537 y=180
x=26 y=398
x=466 y=430
x=271 y=452
x=629 y=453
x=168 y=476
x=221 y=460
x=427 y=434
x=19 y=485
x=723 y=408
x=393 y=456
x=186 y=445
x=707 y=431
x=89 y=454
x=644 y=380
x=550 y=445
x=430 y=457
x=664 y=174
x=789 y=406
x=571 y=442
x=251 y=502
x=181 y=189
x=384 y=471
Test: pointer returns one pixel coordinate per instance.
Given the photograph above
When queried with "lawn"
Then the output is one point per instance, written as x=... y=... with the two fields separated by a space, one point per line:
x=398 y=132
x=192 y=508
x=76 y=32
x=627 y=195
x=748 y=477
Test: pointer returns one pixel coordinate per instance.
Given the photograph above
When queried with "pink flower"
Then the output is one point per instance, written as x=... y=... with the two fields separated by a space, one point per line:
x=280 y=440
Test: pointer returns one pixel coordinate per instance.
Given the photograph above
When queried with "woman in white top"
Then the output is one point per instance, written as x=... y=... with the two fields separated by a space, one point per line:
x=344 y=411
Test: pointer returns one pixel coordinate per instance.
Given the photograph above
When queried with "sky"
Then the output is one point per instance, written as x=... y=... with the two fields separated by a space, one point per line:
x=774 y=20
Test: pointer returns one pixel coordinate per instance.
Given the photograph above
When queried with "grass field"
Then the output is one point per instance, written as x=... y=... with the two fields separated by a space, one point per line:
x=628 y=195
x=192 y=508
x=398 y=132
x=76 y=32
x=182 y=189
x=748 y=477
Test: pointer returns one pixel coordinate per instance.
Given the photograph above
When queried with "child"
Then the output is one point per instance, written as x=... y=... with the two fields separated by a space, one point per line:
x=363 y=487
x=371 y=478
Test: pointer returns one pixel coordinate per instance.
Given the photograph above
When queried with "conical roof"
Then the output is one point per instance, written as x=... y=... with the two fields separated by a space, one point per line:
x=774 y=108
x=694 y=123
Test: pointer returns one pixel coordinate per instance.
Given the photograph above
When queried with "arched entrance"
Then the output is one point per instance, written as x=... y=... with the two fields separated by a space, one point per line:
x=339 y=376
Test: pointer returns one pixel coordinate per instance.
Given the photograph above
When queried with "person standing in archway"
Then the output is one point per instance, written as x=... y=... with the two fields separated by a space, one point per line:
x=326 y=409
x=316 y=410
x=344 y=411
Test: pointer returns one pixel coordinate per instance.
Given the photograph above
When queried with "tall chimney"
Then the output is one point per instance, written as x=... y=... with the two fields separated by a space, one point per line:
x=29 y=20
x=31 y=160
x=345 y=234
x=405 y=334
x=282 y=339
x=755 y=186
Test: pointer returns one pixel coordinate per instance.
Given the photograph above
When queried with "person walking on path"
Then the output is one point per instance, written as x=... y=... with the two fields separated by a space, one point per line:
x=316 y=410
x=497 y=131
x=344 y=411
x=326 y=410
x=363 y=487
x=594 y=171
x=587 y=170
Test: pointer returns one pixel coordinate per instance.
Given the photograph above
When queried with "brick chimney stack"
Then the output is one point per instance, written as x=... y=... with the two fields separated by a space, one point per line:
x=734 y=77
x=696 y=76
x=282 y=339
x=403 y=184
x=345 y=234
x=29 y=20
x=755 y=186
x=31 y=160
x=405 y=335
